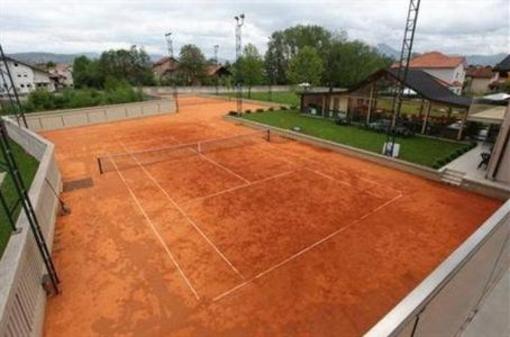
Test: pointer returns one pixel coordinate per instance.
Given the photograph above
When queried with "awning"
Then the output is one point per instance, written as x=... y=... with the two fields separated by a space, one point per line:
x=493 y=115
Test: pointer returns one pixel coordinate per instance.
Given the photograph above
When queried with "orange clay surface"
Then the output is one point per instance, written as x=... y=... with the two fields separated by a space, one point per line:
x=272 y=239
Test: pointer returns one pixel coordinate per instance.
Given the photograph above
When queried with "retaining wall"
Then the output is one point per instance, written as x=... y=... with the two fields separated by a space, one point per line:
x=162 y=90
x=59 y=119
x=22 y=298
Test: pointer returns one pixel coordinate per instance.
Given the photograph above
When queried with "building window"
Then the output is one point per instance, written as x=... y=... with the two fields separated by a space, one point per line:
x=19 y=75
x=15 y=64
x=25 y=75
x=22 y=85
x=29 y=85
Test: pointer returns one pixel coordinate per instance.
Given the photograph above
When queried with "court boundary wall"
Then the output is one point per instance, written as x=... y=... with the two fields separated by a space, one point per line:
x=65 y=118
x=426 y=172
x=22 y=297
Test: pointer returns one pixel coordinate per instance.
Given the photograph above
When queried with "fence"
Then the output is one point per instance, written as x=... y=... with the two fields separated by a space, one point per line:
x=58 y=119
x=22 y=298
x=449 y=297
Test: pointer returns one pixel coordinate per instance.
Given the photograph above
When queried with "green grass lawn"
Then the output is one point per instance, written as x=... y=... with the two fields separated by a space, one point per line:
x=419 y=150
x=28 y=166
x=283 y=97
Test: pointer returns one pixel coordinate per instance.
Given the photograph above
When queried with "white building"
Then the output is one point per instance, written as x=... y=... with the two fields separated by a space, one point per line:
x=26 y=77
x=450 y=70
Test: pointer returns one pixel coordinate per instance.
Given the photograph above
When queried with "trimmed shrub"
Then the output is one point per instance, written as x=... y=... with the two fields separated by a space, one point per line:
x=270 y=108
x=259 y=110
x=247 y=111
x=283 y=107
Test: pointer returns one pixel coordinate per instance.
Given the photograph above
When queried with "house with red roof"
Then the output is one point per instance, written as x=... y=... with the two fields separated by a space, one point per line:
x=450 y=70
x=479 y=79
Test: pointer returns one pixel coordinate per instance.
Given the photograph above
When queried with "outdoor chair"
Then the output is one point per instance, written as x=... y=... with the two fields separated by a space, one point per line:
x=486 y=156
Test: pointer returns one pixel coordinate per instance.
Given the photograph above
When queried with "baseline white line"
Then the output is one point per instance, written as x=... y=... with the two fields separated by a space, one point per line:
x=155 y=231
x=185 y=215
x=304 y=250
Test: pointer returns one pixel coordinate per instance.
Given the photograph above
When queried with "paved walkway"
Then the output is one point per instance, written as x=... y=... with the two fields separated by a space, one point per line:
x=468 y=163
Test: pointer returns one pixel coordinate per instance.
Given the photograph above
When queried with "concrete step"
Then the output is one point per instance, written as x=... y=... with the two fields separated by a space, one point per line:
x=452 y=177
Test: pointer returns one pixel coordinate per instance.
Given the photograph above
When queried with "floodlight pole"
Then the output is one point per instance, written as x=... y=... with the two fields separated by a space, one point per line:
x=216 y=48
x=239 y=89
x=403 y=70
x=170 y=49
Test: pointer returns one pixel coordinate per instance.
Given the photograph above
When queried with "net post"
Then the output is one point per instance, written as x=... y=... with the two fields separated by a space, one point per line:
x=268 y=135
x=100 y=165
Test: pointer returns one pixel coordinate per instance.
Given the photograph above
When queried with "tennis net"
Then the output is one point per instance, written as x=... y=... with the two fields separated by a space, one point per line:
x=121 y=161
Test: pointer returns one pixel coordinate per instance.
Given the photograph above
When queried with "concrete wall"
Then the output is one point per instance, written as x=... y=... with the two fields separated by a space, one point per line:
x=210 y=89
x=59 y=119
x=22 y=298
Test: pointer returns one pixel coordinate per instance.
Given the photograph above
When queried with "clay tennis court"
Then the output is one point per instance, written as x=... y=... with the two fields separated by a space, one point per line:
x=248 y=236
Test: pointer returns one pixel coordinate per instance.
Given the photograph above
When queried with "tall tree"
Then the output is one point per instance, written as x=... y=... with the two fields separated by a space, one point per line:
x=86 y=73
x=284 y=45
x=251 y=67
x=306 y=67
x=192 y=64
x=132 y=65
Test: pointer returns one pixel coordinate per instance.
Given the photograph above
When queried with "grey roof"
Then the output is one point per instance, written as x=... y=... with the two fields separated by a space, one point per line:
x=429 y=87
x=8 y=58
x=419 y=81
x=504 y=65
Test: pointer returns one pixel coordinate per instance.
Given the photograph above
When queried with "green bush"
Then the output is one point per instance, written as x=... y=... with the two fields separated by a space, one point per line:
x=115 y=92
x=259 y=110
x=247 y=111
x=270 y=108
x=283 y=107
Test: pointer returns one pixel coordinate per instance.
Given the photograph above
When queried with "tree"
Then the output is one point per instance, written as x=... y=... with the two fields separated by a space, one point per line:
x=132 y=65
x=349 y=62
x=192 y=64
x=284 y=45
x=86 y=73
x=306 y=66
x=251 y=67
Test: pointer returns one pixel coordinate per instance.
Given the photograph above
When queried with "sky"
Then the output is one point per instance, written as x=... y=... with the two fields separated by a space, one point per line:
x=67 y=26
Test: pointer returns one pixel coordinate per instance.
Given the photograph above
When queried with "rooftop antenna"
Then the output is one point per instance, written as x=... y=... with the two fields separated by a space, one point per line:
x=239 y=89
x=402 y=72
x=170 y=49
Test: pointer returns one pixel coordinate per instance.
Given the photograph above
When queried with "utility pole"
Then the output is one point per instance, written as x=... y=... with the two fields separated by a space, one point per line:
x=216 y=48
x=170 y=49
x=239 y=89
x=402 y=72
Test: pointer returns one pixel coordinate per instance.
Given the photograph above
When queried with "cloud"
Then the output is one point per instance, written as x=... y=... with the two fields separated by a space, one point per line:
x=68 y=26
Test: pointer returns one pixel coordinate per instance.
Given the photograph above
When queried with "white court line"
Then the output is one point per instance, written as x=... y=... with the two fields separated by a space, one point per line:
x=319 y=162
x=155 y=231
x=235 y=188
x=214 y=162
x=304 y=250
x=183 y=213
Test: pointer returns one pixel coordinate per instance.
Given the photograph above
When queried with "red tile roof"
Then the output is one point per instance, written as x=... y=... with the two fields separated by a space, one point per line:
x=435 y=59
x=479 y=72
